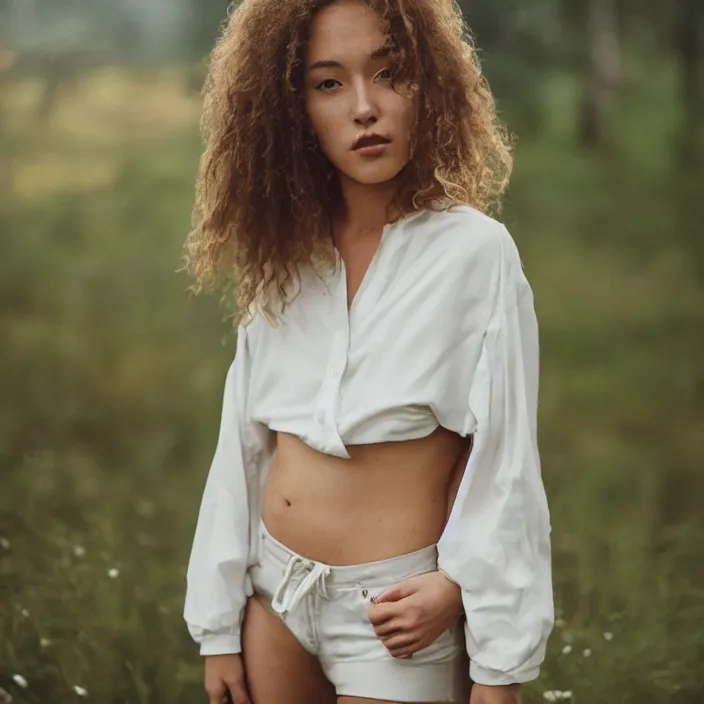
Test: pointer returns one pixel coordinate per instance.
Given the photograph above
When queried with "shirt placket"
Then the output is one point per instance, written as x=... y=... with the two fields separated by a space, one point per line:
x=325 y=421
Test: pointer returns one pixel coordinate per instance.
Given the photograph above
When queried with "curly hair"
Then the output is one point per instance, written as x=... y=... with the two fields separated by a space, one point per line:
x=265 y=191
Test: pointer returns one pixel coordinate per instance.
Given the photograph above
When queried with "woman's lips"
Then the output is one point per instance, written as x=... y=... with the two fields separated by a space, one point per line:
x=371 y=144
x=373 y=149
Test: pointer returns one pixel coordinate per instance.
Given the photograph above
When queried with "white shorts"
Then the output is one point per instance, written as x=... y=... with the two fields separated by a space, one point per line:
x=325 y=608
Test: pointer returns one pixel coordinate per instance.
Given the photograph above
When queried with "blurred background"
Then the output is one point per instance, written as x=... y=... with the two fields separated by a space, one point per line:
x=111 y=372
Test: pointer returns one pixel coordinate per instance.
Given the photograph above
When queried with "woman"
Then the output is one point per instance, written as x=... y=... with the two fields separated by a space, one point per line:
x=352 y=149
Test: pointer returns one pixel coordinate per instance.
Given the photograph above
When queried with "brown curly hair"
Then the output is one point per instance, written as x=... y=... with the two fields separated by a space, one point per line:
x=266 y=193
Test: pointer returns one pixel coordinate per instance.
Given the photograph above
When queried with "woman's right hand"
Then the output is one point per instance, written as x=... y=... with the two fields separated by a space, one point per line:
x=223 y=674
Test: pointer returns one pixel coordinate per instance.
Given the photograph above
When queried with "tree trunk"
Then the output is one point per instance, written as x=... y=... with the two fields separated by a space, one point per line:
x=604 y=73
x=690 y=48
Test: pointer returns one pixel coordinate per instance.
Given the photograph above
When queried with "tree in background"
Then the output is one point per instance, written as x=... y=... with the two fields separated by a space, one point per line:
x=603 y=72
x=519 y=44
x=203 y=20
x=689 y=42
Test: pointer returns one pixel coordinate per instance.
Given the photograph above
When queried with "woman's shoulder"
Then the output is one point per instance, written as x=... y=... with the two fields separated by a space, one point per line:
x=465 y=235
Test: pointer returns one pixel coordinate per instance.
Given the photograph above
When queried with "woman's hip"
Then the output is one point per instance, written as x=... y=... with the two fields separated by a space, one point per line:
x=326 y=609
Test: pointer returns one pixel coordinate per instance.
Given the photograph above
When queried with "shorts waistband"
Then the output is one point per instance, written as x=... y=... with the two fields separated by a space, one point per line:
x=378 y=573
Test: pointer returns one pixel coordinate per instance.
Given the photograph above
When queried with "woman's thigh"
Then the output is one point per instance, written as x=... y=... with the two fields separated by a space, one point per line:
x=360 y=700
x=279 y=669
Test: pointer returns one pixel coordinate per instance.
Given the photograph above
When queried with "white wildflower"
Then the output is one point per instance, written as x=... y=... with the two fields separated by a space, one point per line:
x=113 y=573
x=44 y=642
x=567 y=694
x=5 y=696
x=555 y=695
x=567 y=650
x=559 y=622
x=25 y=613
x=587 y=653
x=20 y=681
x=4 y=543
x=79 y=551
x=80 y=691
x=550 y=696
x=608 y=636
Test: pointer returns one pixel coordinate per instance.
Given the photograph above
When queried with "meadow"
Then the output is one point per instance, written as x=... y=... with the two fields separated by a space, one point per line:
x=112 y=376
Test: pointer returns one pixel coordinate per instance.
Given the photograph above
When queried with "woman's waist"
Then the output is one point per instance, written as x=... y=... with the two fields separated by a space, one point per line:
x=273 y=553
x=348 y=537
x=344 y=512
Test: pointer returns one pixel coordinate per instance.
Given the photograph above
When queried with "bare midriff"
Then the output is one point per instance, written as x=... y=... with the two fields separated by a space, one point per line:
x=389 y=499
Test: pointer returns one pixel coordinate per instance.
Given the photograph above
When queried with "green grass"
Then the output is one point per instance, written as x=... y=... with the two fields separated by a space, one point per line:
x=112 y=376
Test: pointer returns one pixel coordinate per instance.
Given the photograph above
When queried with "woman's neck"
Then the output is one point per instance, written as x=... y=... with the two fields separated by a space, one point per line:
x=364 y=208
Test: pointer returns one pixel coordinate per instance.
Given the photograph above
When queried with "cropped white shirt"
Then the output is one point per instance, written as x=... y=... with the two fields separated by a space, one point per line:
x=442 y=332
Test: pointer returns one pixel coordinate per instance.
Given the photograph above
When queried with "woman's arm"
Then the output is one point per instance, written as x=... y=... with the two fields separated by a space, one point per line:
x=217 y=580
x=496 y=544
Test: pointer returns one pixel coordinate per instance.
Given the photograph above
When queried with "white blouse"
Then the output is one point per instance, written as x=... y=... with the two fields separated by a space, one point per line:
x=442 y=332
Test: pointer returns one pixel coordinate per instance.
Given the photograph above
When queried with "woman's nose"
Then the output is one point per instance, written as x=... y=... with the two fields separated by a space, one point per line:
x=365 y=120
x=365 y=113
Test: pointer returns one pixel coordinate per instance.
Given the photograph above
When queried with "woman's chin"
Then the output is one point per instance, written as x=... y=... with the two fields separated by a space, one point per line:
x=373 y=175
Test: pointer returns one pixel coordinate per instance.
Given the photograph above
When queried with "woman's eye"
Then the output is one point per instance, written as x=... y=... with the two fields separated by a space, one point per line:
x=386 y=75
x=327 y=84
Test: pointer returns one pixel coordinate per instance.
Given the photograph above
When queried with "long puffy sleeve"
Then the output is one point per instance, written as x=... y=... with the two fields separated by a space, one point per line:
x=217 y=581
x=496 y=544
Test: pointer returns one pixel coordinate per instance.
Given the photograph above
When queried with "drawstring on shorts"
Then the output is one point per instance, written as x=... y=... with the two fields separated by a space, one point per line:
x=300 y=578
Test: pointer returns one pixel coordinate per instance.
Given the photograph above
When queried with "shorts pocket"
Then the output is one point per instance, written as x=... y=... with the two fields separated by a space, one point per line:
x=344 y=627
x=445 y=647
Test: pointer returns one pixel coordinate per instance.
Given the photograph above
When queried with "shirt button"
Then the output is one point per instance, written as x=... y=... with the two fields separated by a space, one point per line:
x=330 y=370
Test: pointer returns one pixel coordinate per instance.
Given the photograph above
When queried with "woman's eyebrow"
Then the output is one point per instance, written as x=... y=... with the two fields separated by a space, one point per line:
x=380 y=53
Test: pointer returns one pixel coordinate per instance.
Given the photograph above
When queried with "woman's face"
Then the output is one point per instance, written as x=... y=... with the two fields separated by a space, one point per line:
x=349 y=94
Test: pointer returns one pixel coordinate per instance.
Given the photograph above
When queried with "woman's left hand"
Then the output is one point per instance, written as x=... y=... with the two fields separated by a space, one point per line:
x=410 y=615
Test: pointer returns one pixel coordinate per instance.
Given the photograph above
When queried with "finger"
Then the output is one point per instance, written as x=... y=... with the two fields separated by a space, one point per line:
x=380 y=613
x=239 y=699
x=400 y=641
x=239 y=694
x=406 y=651
x=402 y=654
x=216 y=695
x=395 y=592
x=389 y=628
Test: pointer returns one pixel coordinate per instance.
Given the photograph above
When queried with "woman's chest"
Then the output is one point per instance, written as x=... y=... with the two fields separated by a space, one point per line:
x=397 y=343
